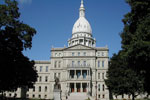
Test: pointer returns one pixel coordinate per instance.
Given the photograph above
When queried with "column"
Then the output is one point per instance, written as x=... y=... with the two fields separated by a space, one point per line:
x=70 y=87
x=81 y=74
x=75 y=74
x=87 y=87
x=90 y=87
x=87 y=76
x=81 y=89
x=75 y=89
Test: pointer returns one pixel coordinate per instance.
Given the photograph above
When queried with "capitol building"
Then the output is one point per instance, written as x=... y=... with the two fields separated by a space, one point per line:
x=80 y=68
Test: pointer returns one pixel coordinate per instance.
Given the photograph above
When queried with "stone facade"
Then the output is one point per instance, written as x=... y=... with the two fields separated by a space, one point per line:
x=81 y=67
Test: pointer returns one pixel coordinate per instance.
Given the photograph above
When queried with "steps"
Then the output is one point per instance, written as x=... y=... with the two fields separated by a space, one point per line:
x=78 y=96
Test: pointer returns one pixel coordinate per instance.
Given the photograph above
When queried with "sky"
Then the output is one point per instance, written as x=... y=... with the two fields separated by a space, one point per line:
x=54 y=20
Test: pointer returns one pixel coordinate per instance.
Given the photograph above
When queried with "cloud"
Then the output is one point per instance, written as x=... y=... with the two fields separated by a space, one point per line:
x=25 y=1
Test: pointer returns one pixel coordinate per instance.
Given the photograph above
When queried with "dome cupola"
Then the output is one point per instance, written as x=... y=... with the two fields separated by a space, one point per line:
x=82 y=31
x=82 y=25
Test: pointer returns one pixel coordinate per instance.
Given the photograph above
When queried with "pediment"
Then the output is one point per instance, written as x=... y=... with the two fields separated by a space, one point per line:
x=79 y=47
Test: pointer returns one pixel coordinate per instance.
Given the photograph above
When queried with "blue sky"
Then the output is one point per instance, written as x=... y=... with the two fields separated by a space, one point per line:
x=54 y=19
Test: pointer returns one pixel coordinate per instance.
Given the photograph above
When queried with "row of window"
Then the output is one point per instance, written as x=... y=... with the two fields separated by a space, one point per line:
x=46 y=79
x=100 y=54
x=58 y=54
x=42 y=68
x=103 y=96
x=57 y=64
x=78 y=54
x=79 y=63
x=40 y=89
x=99 y=75
x=99 y=87
x=101 y=63
x=38 y=96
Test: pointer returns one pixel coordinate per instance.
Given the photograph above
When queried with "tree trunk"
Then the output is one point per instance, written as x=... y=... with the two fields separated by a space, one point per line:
x=133 y=96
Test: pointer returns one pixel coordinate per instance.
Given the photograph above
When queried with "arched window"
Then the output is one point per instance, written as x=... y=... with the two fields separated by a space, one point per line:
x=46 y=68
x=46 y=78
x=40 y=78
x=99 y=86
x=39 y=88
x=40 y=68
x=45 y=88
x=103 y=87
x=33 y=88
x=103 y=75
x=98 y=63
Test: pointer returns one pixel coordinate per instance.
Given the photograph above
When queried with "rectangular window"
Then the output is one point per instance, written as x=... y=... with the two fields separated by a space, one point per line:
x=40 y=78
x=99 y=96
x=59 y=64
x=78 y=53
x=54 y=75
x=45 y=96
x=102 y=53
x=84 y=53
x=46 y=68
x=72 y=53
x=98 y=53
x=40 y=68
x=98 y=75
x=78 y=63
x=58 y=75
x=98 y=63
x=33 y=88
x=46 y=78
x=55 y=64
x=103 y=96
x=103 y=87
x=59 y=54
x=39 y=88
x=84 y=63
x=99 y=86
x=102 y=63
x=72 y=63
x=103 y=75
x=45 y=88
x=55 y=54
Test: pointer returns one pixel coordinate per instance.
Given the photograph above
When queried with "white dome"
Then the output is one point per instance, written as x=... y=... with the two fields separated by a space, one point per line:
x=82 y=26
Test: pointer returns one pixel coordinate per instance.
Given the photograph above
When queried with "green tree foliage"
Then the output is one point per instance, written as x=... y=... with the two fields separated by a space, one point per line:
x=129 y=70
x=136 y=39
x=121 y=79
x=16 y=70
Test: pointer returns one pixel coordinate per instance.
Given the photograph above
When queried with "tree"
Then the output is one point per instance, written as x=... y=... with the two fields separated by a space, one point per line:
x=121 y=79
x=136 y=39
x=16 y=70
x=129 y=70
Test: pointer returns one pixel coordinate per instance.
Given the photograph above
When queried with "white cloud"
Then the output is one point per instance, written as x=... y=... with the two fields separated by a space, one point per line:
x=25 y=1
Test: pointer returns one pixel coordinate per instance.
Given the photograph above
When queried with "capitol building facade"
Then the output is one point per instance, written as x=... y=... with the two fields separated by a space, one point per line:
x=81 y=67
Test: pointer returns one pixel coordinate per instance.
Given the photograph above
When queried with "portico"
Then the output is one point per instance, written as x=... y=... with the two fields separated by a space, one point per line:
x=79 y=87
x=79 y=74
